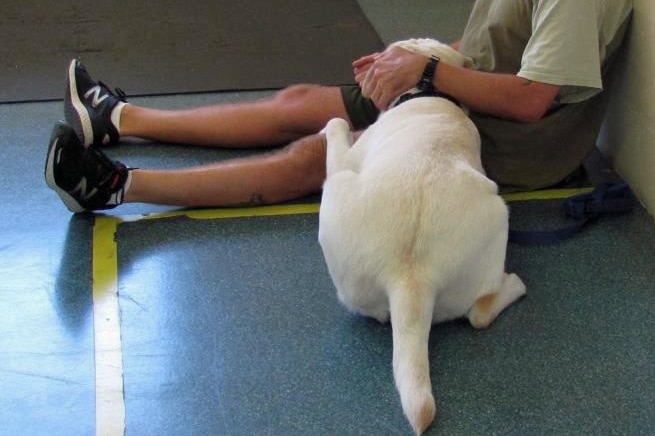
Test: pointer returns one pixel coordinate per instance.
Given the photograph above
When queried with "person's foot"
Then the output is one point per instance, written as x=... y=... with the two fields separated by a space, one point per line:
x=88 y=106
x=84 y=177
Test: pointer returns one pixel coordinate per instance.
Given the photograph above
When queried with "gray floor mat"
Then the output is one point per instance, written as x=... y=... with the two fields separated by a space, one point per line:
x=174 y=47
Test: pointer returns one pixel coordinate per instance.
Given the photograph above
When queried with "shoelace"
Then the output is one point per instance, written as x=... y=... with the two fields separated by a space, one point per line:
x=117 y=92
x=108 y=172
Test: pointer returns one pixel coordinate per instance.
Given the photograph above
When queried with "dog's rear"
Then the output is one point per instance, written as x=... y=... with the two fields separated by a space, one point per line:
x=398 y=221
x=412 y=230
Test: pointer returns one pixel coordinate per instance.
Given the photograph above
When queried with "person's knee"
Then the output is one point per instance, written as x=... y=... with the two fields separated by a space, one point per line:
x=297 y=95
x=305 y=109
x=306 y=159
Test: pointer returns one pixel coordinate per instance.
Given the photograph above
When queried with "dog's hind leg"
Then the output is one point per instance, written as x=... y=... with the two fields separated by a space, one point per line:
x=488 y=307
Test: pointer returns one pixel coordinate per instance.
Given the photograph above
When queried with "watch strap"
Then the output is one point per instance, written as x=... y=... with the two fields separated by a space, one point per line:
x=426 y=83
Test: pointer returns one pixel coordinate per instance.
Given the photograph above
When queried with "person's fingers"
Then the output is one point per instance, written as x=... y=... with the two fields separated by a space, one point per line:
x=365 y=60
x=360 y=73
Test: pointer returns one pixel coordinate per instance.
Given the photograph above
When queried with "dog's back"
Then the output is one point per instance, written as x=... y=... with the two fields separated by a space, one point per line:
x=412 y=229
x=410 y=194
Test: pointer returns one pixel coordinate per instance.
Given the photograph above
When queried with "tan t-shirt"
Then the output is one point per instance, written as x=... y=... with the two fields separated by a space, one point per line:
x=560 y=42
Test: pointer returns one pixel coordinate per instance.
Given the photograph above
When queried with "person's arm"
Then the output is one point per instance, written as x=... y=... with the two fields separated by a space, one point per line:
x=384 y=76
x=501 y=95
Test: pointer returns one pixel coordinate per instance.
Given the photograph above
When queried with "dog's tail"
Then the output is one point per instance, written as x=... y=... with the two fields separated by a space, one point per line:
x=411 y=310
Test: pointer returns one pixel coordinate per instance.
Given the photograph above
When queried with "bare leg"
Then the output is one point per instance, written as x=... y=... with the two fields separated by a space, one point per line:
x=288 y=173
x=288 y=115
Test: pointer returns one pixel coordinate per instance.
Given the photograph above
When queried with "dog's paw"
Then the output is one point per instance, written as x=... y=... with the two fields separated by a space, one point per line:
x=335 y=126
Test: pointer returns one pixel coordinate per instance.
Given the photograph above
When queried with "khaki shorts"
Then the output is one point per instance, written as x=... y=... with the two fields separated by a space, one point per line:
x=361 y=110
x=524 y=157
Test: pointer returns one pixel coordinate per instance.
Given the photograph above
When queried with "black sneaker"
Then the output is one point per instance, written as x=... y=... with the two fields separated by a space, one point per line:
x=88 y=105
x=84 y=177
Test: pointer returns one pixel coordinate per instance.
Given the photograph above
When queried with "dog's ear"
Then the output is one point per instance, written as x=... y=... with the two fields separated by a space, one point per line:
x=468 y=63
x=454 y=57
x=428 y=46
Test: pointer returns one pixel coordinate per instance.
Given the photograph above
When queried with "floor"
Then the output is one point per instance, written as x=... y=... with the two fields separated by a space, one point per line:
x=154 y=321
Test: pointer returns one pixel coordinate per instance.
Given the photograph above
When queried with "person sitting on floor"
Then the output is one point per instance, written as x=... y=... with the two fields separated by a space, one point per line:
x=534 y=94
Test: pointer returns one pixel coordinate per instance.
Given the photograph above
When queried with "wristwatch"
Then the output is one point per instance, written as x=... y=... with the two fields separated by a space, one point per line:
x=426 y=84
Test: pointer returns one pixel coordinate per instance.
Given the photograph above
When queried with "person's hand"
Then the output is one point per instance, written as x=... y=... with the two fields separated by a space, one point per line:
x=384 y=76
x=362 y=64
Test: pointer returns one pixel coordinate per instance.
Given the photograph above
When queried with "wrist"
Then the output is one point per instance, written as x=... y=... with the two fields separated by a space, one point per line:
x=427 y=81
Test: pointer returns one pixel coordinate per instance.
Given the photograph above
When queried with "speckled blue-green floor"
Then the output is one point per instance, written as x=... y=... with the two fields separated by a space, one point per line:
x=232 y=327
x=235 y=327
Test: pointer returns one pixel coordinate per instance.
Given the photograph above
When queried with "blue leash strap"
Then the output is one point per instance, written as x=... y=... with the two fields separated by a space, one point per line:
x=584 y=209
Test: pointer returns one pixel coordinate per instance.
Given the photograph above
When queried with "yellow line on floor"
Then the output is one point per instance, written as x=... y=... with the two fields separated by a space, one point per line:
x=546 y=194
x=219 y=213
x=308 y=208
x=110 y=401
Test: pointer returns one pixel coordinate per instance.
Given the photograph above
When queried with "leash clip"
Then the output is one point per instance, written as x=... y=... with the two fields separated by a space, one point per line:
x=608 y=198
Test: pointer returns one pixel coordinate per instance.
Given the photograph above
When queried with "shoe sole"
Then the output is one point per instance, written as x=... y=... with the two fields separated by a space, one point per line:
x=49 y=171
x=76 y=114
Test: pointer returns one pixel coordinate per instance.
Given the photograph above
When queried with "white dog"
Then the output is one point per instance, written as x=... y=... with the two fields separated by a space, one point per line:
x=412 y=229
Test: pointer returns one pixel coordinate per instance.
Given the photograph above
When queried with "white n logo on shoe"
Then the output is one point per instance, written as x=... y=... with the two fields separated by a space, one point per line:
x=82 y=192
x=97 y=98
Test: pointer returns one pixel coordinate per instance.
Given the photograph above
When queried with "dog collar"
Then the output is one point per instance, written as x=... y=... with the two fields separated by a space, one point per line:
x=417 y=93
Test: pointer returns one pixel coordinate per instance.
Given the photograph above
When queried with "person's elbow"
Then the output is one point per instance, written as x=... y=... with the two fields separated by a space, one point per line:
x=529 y=114
x=535 y=103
